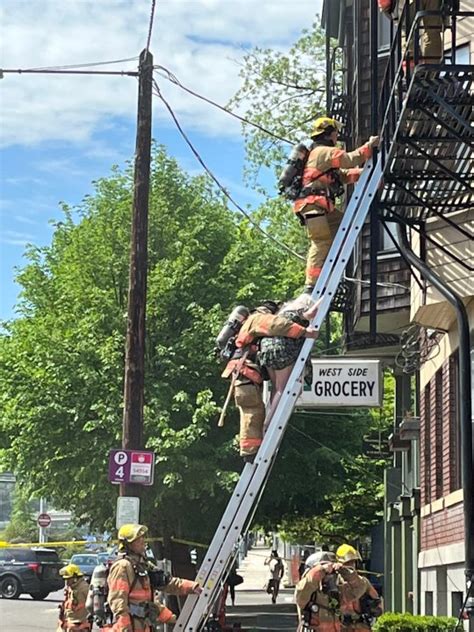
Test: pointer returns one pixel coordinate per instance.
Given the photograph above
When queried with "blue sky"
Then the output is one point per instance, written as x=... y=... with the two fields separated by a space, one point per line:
x=58 y=134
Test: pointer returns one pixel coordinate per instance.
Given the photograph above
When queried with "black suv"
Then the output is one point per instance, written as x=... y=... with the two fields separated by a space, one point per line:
x=32 y=571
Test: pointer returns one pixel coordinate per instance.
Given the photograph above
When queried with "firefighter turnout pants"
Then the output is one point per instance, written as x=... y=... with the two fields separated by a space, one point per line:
x=430 y=31
x=321 y=228
x=248 y=399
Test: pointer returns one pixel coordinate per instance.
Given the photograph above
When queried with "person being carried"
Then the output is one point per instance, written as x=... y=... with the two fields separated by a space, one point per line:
x=278 y=354
x=246 y=374
x=132 y=582
x=73 y=614
x=326 y=169
x=277 y=570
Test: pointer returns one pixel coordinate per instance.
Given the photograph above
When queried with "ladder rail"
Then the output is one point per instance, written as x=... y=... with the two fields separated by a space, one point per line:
x=242 y=504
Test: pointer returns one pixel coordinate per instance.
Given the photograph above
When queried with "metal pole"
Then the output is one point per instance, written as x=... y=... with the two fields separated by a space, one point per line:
x=374 y=125
x=465 y=405
x=42 y=530
x=132 y=434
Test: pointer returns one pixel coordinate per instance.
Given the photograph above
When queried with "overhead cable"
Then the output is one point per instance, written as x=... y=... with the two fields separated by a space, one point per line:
x=169 y=76
x=86 y=65
x=150 y=25
x=216 y=181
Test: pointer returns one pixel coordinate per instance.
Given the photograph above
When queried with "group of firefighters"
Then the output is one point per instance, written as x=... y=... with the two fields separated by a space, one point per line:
x=331 y=595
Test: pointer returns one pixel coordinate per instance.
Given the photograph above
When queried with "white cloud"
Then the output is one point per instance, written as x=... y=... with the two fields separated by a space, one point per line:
x=196 y=39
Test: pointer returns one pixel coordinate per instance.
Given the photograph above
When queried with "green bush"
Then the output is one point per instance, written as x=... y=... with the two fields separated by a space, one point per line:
x=396 y=622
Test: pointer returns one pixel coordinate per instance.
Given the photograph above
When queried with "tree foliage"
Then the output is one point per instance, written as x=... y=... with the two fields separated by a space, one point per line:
x=283 y=92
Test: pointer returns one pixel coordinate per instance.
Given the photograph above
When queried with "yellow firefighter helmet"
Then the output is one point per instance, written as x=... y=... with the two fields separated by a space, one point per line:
x=70 y=571
x=324 y=124
x=128 y=533
x=347 y=553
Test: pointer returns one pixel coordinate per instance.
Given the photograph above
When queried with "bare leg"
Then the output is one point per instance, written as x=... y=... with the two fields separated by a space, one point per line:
x=279 y=382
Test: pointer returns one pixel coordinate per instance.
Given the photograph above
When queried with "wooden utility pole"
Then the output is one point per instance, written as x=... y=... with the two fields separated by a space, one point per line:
x=132 y=433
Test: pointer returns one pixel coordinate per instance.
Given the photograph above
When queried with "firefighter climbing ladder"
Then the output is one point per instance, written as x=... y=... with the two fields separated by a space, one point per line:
x=252 y=482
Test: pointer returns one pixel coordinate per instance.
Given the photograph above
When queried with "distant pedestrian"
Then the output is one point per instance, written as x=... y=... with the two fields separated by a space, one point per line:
x=233 y=580
x=277 y=570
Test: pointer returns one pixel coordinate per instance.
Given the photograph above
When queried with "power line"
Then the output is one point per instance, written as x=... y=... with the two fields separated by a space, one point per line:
x=22 y=71
x=216 y=181
x=169 y=76
x=86 y=65
x=150 y=25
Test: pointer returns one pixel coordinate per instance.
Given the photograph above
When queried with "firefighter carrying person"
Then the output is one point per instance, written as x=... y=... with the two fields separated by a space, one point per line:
x=358 y=614
x=73 y=614
x=132 y=583
x=247 y=376
x=325 y=591
x=325 y=169
x=430 y=27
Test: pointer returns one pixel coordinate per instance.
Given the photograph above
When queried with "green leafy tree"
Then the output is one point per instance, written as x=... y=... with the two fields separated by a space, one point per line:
x=62 y=359
x=283 y=92
x=22 y=526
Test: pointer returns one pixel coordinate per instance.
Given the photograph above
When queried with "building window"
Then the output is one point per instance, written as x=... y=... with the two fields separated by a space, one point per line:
x=457 y=600
x=384 y=39
x=462 y=55
x=388 y=233
x=454 y=422
x=429 y=602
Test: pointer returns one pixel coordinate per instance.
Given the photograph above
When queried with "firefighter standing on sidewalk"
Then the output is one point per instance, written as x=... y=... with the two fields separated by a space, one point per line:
x=73 y=613
x=133 y=581
x=358 y=615
x=247 y=374
x=327 y=169
x=324 y=592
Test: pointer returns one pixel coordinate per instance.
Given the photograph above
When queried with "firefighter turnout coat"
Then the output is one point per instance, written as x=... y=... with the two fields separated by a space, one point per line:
x=249 y=379
x=320 y=610
x=326 y=170
x=131 y=597
x=74 y=613
x=352 y=618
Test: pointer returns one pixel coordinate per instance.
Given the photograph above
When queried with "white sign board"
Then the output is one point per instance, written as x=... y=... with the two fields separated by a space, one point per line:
x=343 y=382
x=128 y=510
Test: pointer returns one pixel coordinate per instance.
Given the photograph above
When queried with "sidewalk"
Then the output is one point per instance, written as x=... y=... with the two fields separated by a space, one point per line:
x=253 y=608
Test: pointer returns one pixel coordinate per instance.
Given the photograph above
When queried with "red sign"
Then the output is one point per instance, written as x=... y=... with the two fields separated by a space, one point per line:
x=44 y=520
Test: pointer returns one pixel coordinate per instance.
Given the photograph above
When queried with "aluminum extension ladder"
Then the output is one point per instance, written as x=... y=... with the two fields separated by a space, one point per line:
x=252 y=482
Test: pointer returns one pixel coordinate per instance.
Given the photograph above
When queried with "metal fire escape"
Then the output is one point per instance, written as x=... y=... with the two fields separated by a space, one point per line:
x=425 y=118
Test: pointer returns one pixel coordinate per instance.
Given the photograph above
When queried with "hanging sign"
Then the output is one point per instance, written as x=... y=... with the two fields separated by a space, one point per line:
x=343 y=382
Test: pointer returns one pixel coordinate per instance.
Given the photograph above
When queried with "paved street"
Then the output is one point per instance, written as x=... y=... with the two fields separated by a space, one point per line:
x=254 y=611
x=27 y=615
x=253 y=608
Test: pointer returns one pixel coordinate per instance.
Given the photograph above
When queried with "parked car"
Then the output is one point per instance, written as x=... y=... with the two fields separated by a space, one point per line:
x=86 y=562
x=106 y=558
x=34 y=571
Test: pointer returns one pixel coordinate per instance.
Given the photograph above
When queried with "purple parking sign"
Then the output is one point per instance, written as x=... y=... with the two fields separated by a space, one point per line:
x=131 y=466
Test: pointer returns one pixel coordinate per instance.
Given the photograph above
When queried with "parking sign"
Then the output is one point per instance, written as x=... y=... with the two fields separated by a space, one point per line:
x=131 y=466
